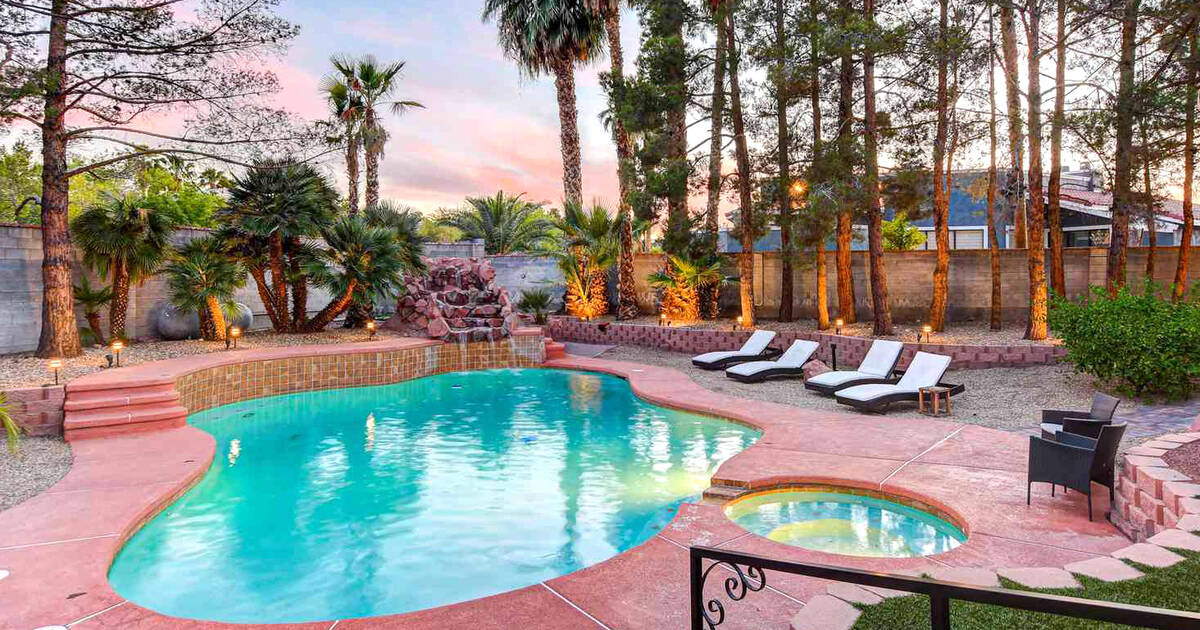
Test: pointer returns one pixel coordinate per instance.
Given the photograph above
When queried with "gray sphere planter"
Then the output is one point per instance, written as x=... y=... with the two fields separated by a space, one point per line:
x=173 y=324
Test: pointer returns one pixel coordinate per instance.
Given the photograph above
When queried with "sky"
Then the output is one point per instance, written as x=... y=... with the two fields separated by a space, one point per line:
x=484 y=127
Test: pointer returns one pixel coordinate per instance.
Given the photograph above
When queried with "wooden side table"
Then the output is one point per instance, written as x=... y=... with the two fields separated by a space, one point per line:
x=934 y=395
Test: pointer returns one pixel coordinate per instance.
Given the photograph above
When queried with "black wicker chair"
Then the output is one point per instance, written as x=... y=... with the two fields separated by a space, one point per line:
x=1075 y=461
x=1085 y=423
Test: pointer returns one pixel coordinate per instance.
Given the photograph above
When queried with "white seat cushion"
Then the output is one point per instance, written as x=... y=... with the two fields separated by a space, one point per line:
x=798 y=353
x=1051 y=428
x=751 y=368
x=757 y=342
x=712 y=357
x=832 y=379
x=881 y=357
x=871 y=392
x=925 y=370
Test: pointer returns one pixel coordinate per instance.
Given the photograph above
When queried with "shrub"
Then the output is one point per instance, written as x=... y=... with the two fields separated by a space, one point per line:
x=536 y=301
x=1147 y=345
x=11 y=430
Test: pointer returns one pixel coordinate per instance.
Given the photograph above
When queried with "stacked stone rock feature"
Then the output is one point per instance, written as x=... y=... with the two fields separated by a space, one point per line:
x=458 y=300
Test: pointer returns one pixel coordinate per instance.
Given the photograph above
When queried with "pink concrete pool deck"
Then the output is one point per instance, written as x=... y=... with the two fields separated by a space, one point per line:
x=57 y=546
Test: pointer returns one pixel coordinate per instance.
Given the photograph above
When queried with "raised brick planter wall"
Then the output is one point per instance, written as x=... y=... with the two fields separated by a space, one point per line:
x=1151 y=496
x=850 y=350
x=38 y=410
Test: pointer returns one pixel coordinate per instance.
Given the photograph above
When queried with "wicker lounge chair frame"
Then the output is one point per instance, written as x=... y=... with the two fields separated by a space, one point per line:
x=1085 y=423
x=1075 y=462
x=830 y=390
x=767 y=354
x=772 y=373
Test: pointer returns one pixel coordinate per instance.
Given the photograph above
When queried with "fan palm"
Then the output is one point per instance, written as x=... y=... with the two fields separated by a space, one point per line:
x=346 y=109
x=357 y=257
x=370 y=87
x=11 y=430
x=552 y=38
x=404 y=224
x=680 y=280
x=590 y=244
x=202 y=278
x=92 y=300
x=278 y=205
x=507 y=224
x=121 y=240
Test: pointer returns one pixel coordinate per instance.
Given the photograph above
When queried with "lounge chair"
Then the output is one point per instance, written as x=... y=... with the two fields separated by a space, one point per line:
x=1085 y=423
x=1075 y=461
x=756 y=348
x=876 y=367
x=925 y=370
x=790 y=364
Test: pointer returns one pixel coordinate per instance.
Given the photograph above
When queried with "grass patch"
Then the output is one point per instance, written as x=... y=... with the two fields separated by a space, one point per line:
x=1176 y=587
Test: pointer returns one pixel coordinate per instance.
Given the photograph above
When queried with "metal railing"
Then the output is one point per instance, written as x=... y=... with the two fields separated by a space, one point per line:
x=746 y=573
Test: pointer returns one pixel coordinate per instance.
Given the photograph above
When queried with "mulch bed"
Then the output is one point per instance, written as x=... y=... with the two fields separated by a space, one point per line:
x=1185 y=459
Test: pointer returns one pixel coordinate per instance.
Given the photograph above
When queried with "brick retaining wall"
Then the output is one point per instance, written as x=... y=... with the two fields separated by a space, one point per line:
x=37 y=410
x=850 y=349
x=1151 y=496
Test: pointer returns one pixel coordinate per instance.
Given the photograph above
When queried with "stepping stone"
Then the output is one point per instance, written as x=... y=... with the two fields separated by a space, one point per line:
x=1142 y=460
x=1041 y=577
x=1176 y=538
x=966 y=575
x=1162 y=444
x=1106 y=569
x=825 y=612
x=1146 y=451
x=854 y=594
x=1189 y=523
x=886 y=593
x=1149 y=555
x=1182 y=438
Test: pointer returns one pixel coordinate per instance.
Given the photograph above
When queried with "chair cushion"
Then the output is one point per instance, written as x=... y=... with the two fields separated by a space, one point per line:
x=1051 y=428
x=925 y=370
x=711 y=357
x=752 y=368
x=881 y=358
x=872 y=391
x=798 y=353
x=835 y=378
x=757 y=342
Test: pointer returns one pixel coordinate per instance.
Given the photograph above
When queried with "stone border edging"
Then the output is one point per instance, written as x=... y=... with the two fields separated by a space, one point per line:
x=37 y=410
x=1152 y=497
x=851 y=349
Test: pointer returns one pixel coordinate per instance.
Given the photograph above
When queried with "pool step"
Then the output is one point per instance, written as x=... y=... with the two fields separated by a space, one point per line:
x=121 y=408
x=722 y=494
x=555 y=350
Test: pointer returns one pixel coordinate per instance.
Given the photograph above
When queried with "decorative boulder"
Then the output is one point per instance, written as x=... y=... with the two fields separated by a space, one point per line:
x=456 y=300
x=173 y=324
x=242 y=317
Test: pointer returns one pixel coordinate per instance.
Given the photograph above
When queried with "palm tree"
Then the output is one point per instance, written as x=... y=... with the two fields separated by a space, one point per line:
x=589 y=248
x=506 y=224
x=370 y=87
x=125 y=242
x=404 y=224
x=202 y=278
x=346 y=109
x=681 y=280
x=357 y=257
x=92 y=300
x=274 y=207
x=551 y=38
x=11 y=430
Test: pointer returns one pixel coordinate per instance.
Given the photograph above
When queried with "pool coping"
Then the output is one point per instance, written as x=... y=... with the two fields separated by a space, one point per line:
x=59 y=545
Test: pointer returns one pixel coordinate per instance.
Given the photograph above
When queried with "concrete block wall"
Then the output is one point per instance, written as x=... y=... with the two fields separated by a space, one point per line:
x=519 y=273
x=1151 y=496
x=38 y=410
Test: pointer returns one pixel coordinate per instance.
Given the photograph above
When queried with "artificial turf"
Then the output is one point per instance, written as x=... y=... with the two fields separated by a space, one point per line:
x=1176 y=587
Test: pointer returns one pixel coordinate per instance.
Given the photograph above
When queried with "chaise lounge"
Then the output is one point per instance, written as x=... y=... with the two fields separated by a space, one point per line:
x=756 y=348
x=925 y=370
x=876 y=367
x=790 y=364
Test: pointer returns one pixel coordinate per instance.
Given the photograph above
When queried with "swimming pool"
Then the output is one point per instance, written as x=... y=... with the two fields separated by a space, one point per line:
x=359 y=502
x=850 y=523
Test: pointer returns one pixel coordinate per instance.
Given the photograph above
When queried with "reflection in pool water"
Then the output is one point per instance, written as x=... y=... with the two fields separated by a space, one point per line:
x=376 y=500
x=843 y=523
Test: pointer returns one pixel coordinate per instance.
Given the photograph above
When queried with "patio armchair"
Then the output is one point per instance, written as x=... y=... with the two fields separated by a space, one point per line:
x=1075 y=462
x=1085 y=423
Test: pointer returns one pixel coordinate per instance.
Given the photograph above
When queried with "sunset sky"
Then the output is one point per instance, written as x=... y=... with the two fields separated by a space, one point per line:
x=484 y=128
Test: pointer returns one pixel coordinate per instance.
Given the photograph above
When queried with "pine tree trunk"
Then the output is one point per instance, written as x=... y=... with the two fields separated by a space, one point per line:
x=847 y=310
x=1058 y=281
x=712 y=294
x=1151 y=232
x=1180 y=288
x=336 y=307
x=627 y=307
x=746 y=257
x=676 y=238
x=1038 y=302
x=818 y=154
x=568 y=128
x=941 y=197
x=1016 y=145
x=997 y=313
x=120 y=299
x=786 y=291
x=216 y=319
x=59 y=335
x=879 y=290
x=352 y=147
x=1114 y=276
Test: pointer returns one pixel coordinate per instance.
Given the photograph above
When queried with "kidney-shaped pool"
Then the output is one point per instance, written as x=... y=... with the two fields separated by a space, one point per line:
x=378 y=500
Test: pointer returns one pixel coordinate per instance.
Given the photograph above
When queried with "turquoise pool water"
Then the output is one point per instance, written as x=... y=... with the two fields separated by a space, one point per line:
x=376 y=500
x=843 y=523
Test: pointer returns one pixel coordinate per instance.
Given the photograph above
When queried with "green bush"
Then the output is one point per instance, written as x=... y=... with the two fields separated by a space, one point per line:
x=536 y=301
x=1146 y=345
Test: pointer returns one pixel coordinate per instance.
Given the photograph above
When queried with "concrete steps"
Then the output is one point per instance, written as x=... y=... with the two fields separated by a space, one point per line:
x=555 y=350
x=119 y=409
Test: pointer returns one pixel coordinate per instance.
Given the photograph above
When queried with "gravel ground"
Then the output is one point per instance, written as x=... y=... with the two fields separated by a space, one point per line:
x=1010 y=399
x=37 y=466
x=971 y=333
x=1185 y=459
x=26 y=370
